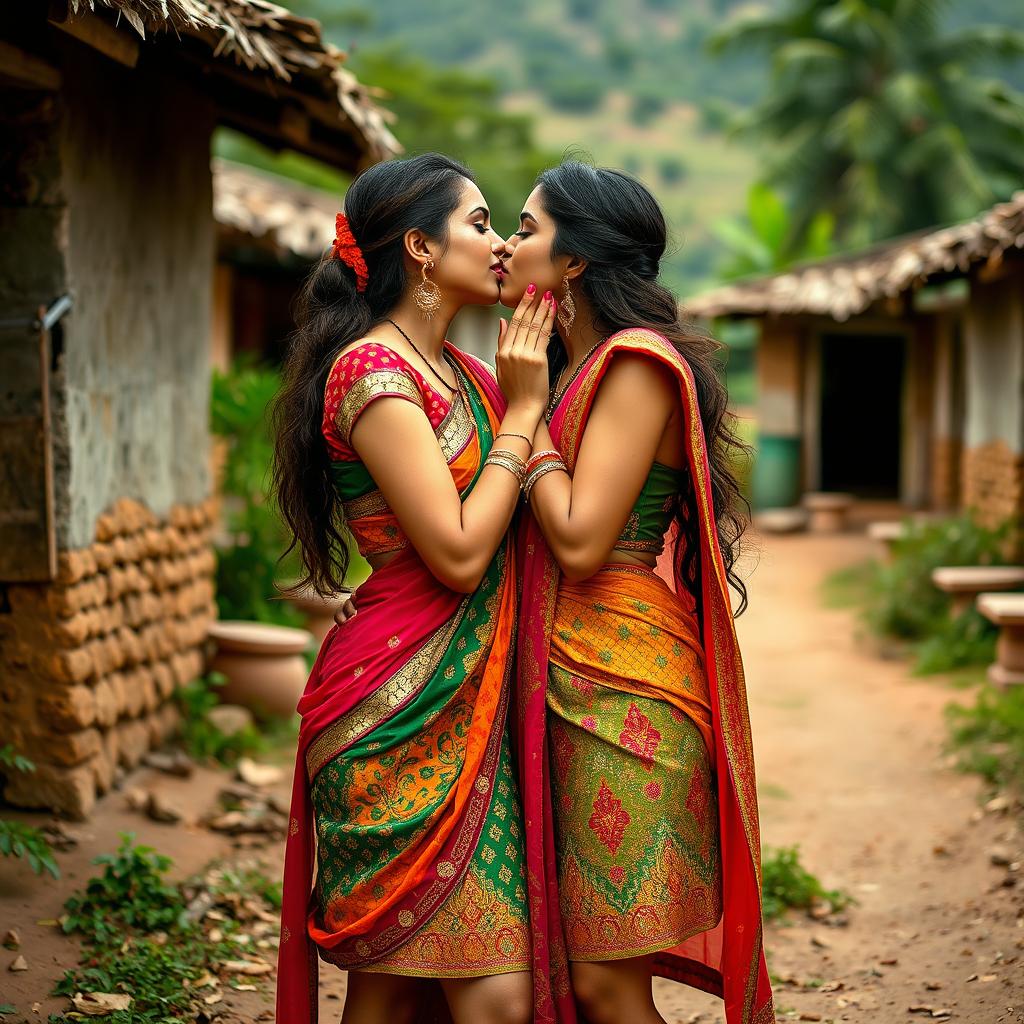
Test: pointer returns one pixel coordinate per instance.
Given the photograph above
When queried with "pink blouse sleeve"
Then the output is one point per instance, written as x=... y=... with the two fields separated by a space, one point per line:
x=359 y=377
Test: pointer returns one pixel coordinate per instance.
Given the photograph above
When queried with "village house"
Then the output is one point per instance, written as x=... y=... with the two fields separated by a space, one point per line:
x=107 y=293
x=894 y=373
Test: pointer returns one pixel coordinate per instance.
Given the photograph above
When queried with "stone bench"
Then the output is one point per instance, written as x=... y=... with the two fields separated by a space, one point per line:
x=828 y=510
x=781 y=520
x=888 y=533
x=1007 y=612
x=965 y=582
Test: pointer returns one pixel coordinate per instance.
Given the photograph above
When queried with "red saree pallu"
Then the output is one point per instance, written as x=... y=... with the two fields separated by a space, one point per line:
x=636 y=763
x=404 y=803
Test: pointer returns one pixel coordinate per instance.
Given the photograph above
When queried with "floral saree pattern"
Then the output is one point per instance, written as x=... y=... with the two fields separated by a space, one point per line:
x=635 y=807
x=404 y=802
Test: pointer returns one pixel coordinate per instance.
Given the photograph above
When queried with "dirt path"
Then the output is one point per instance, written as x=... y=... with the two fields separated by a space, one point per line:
x=850 y=766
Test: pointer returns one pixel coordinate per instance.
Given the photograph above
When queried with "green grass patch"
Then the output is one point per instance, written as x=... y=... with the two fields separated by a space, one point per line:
x=787 y=884
x=140 y=940
x=988 y=737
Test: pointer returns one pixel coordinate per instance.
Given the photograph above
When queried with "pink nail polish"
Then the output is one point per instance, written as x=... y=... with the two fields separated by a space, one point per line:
x=547 y=296
x=531 y=289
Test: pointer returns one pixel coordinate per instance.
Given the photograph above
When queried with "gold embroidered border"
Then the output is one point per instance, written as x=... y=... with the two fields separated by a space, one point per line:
x=653 y=547
x=365 y=505
x=373 y=385
x=455 y=430
x=372 y=709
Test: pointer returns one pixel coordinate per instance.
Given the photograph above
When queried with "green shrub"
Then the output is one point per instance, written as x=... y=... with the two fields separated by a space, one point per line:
x=903 y=601
x=139 y=941
x=988 y=737
x=786 y=883
x=247 y=563
x=956 y=642
x=18 y=839
x=199 y=736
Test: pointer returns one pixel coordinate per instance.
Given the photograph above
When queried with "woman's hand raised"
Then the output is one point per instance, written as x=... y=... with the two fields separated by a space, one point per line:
x=522 y=361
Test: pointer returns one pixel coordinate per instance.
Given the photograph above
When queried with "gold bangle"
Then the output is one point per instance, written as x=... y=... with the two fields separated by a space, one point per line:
x=506 y=464
x=547 y=467
x=538 y=457
x=506 y=453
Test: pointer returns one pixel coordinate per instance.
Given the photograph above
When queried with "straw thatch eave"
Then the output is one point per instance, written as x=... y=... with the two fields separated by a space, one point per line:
x=282 y=218
x=846 y=286
x=270 y=71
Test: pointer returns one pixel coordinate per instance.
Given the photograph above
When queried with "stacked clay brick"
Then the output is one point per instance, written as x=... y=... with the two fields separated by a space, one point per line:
x=946 y=453
x=993 y=482
x=90 y=661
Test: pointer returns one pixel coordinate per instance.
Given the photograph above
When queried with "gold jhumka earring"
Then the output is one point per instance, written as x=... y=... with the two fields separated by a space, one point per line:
x=426 y=294
x=566 y=308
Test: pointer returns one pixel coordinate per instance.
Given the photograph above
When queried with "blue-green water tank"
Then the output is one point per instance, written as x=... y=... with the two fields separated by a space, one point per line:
x=776 y=482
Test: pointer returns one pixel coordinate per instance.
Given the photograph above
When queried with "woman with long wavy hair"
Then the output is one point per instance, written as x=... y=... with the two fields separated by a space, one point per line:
x=404 y=798
x=643 y=851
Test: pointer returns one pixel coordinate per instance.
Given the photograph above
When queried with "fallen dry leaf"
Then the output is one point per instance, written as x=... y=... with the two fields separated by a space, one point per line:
x=252 y=773
x=246 y=967
x=99 y=1004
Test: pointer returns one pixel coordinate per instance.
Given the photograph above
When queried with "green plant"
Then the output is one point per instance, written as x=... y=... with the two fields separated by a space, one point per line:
x=763 y=242
x=903 y=602
x=139 y=939
x=200 y=737
x=881 y=114
x=956 y=641
x=786 y=883
x=130 y=894
x=18 y=839
x=247 y=565
x=988 y=736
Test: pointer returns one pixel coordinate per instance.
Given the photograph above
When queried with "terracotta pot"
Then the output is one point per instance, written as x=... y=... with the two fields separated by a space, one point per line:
x=263 y=664
x=318 y=611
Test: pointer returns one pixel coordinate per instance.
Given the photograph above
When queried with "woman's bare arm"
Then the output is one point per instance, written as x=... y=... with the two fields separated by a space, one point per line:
x=455 y=538
x=582 y=516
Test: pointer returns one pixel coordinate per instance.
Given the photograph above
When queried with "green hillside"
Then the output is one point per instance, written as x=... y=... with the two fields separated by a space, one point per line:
x=629 y=82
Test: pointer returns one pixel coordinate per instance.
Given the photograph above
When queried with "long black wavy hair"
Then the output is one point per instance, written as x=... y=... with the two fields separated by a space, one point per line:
x=382 y=204
x=613 y=222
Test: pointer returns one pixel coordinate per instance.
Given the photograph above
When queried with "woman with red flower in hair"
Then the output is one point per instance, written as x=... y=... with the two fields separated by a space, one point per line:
x=404 y=797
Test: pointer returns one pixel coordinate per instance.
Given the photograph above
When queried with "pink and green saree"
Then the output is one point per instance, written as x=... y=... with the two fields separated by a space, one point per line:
x=404 y=852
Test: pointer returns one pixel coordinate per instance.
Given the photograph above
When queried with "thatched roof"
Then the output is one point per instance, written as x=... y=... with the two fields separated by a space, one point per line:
x=283 y=216
x=844 y=286
x=308 y=100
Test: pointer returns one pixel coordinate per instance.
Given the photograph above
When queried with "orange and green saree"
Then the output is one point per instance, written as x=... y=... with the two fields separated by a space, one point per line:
x=404 y=800
x=637 y=771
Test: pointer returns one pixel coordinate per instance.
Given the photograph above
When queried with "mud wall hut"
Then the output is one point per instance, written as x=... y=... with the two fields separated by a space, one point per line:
x=895 y=372
x=106 y=302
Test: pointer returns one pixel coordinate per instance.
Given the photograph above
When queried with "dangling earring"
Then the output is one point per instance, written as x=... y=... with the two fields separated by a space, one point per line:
x=426 y=294
x=566 y=308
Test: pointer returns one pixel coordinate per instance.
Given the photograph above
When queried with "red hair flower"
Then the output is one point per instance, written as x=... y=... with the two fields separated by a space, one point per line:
x=347 y=250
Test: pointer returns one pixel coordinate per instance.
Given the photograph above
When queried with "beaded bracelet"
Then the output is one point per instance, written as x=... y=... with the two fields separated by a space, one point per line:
x=508 y=433
x=540 y=471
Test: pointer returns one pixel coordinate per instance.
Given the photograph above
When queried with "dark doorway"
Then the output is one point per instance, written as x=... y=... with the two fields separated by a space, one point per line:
x=861 y=399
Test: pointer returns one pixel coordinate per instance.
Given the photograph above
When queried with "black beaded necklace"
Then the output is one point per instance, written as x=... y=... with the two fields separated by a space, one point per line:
x=453 y=391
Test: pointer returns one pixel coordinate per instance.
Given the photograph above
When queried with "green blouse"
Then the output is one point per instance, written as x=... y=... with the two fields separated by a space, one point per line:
x=645 y=528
